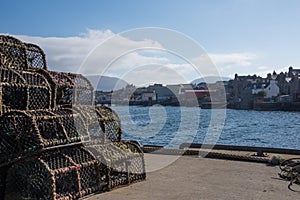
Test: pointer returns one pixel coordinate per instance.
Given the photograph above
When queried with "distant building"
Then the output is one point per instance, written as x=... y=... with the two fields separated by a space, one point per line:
x=272 y=90
x=289 y=83
x=162 y=93
x=242 y=87
x=179 y=88
x=284 y=83
x=244 y=90
x=284 y=99
x=148 y=96
x=241 y=92
x=258 y=88
x=199 y=94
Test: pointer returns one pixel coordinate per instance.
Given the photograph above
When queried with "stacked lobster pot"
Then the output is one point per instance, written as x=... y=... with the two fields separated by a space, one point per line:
x=124 y=159
x=54 y=144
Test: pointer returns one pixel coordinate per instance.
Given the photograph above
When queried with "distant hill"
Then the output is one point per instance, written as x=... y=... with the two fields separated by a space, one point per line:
x=210 y=79
x=106 y=83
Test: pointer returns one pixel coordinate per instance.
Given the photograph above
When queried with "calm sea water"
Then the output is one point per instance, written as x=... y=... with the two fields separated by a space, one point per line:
x=170 y=126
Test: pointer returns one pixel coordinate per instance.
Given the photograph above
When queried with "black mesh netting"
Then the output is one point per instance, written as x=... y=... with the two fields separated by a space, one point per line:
x=54 y=144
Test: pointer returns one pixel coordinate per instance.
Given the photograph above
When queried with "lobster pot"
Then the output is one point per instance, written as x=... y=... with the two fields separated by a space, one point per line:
x=13 y=90
x=36 y=57
x=136 y=167
x=39 y=91
x=23 y=91
x=73 y=124
x=12 y=53
x=69 y=173
x=125 y=166
x=93 y=123
x=69 y=89
x=103 y=124
x=110 y=122
x=93 y=179
x=83 y=90
x=23 y=132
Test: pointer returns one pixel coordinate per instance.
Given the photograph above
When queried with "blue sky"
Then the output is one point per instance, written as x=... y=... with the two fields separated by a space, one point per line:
x=241 y=36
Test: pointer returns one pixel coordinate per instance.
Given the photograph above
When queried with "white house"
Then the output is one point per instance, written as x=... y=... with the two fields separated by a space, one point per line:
x=272 y=90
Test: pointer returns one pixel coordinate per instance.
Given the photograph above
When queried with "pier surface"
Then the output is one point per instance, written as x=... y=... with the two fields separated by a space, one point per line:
x=202 y=178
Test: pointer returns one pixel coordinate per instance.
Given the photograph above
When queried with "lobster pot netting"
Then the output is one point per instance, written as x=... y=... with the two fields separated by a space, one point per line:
x=92 y=121
x=110 y=122
x=136 y=166
x=83 y=89
x=69 y=173
x=13 y=90
x=126 y=165
x=41 y=109
x=23 y=90
x=36 y=57
x=73 y=124
x=39 y=91
x=12 y=53
x=69 y=89
x=23 y=132
x=124 y=159
x=103 y=124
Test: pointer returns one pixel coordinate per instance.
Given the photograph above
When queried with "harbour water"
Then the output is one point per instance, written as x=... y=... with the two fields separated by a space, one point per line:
x=170 y=126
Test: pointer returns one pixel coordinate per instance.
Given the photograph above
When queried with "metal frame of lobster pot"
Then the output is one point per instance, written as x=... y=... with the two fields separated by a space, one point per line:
x=125 y=159
x=67 y=88
x=25 y=132
x=54 y=143
x=66 y=173
x=20 y=88
x=12 y=53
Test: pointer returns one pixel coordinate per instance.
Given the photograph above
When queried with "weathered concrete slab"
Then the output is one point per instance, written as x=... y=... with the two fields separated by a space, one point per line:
x=207 y=179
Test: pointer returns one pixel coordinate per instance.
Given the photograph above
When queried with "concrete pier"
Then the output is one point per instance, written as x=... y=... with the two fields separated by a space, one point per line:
x=191 y=177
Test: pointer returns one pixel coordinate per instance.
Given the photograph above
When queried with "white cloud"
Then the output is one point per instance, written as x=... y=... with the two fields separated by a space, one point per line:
x=229 y=64
x=104 y=52
x=135 y=59
x=118 y=54
x=205 y=66
x=67 y=53
x=233 y=59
